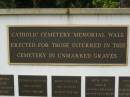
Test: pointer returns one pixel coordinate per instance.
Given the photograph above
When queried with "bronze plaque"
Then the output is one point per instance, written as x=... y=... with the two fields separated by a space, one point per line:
x=32 y=85
x=66 y=86
x=68 y=44
x=124 y=87
x=100 y=87
x=7 y=85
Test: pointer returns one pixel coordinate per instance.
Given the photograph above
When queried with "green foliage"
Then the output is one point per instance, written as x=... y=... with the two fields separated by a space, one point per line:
x=68 y=4
x=74 y=3
x=60 y=3
x=7 y=3
x=105 y=3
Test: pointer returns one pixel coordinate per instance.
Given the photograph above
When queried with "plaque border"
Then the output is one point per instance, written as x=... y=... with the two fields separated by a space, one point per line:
x=68 y=64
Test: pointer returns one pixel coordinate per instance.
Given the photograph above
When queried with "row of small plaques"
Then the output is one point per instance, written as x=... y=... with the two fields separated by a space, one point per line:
x=64 y=86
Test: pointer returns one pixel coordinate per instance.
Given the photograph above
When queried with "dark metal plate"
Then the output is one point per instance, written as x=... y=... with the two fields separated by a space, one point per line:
x=32 y=85
x=124 y=87
x=68 y=44
x=7 y=85
x=100 y=87
x=66 y=86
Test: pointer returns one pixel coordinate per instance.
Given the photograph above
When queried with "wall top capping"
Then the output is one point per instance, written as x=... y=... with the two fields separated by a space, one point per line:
x=66 y=11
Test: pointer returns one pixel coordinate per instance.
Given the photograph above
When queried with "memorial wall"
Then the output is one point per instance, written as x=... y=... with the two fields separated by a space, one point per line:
x=65 y=52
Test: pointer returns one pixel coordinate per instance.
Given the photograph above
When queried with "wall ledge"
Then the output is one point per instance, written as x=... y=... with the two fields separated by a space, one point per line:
x=66 y=11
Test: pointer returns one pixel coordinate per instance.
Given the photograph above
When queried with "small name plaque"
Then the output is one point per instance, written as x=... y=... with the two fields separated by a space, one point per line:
x=124 y=87
x=7 y=85
x=64 y=86
x=68 y=44
x=100 y=87
x=32 y=86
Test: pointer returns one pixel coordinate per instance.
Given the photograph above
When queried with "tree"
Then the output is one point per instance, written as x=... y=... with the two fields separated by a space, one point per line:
x=125 y=3
x=7 y=4
x=24 y=3
x=74 y=3
x=64 y=3
x=105 y=3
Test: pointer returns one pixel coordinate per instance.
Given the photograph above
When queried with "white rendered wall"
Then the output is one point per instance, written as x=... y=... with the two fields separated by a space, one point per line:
x=49 y=71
